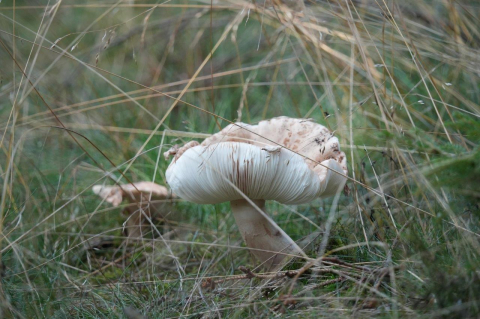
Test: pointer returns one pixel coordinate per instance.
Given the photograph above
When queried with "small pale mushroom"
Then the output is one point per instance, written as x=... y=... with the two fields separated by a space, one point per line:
x=141 y=193
x=249 y=164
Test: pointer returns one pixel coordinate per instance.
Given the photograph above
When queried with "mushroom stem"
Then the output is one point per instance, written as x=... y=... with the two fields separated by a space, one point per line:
x=262 y=234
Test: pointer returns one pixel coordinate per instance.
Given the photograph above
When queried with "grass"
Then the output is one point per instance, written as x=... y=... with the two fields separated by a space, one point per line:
x=93 y=92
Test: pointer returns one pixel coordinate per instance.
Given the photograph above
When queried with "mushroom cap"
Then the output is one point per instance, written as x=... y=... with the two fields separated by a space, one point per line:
x=135 y=192
x=246 y=159
x=222 y=172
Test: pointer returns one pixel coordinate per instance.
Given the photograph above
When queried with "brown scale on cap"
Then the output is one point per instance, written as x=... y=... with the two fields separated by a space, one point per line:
x=177 y=151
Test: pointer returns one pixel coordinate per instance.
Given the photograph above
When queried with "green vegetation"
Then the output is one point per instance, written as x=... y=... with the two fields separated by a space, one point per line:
x=92 y=92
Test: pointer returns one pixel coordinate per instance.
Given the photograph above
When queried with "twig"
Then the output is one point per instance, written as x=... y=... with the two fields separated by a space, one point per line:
x=248 y=274
x=335 y=260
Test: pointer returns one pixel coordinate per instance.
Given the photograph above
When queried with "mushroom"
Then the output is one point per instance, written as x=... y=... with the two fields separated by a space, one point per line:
x=142 y=193
x=249 y=164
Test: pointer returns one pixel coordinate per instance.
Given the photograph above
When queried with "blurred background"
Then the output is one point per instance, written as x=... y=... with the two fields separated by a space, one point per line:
x=93 y=92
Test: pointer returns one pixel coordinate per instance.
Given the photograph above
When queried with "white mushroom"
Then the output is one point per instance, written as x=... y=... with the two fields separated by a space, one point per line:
x=141 y=193
x=249 y=164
